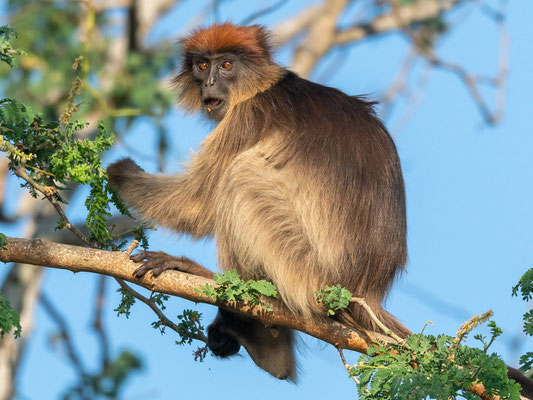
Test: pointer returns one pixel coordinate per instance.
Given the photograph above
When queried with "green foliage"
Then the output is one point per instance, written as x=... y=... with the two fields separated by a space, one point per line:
x=139 y=85
x=126 y=302
x=189 y=326
x=3 y=241
x=525 y=286
x=335 y=298
x=525 y=289
x=51 y=34
x=7 y=52
x=438 y=367
x=9 y=318
x=526 y=361
x=159 y=300
x=55 y=157
x=107 y=384
x=140 y=235
x=232 y=288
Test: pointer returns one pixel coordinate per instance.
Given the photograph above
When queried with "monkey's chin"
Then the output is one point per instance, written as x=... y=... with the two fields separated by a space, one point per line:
x=215 y=109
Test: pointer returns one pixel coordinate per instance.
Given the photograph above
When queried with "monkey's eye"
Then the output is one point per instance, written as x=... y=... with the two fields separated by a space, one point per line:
x=227 y=65
x=203 y=66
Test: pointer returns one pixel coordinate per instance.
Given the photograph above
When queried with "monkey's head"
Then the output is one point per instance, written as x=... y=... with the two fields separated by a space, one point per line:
x=224 y=65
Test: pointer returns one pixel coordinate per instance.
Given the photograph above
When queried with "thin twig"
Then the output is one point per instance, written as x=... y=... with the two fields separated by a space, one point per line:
x=162 y=317
x=367 y=308
x=348 y=366
x=414 y=97
x=400 y=84
x=470 y=81
x=133 y=245
x=21 y=173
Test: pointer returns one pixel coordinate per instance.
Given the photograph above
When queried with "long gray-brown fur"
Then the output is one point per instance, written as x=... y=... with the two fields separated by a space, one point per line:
x=300 y=184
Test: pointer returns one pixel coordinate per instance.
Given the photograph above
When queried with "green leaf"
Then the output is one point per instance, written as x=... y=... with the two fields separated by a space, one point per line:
x=126 y=302
x=9 y=318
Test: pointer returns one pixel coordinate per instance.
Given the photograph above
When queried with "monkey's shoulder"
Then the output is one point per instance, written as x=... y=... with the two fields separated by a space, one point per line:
x=308 y=105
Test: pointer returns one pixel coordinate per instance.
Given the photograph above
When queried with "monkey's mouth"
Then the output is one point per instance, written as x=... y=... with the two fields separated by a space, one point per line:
x=212 y=103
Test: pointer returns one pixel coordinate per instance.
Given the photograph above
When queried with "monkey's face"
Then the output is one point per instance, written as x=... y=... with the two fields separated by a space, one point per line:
x=215 y=74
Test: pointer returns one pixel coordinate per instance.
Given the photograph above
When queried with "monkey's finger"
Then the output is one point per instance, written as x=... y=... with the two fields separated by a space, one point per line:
x=140 y=272
x=153 y=264
x=138 y=257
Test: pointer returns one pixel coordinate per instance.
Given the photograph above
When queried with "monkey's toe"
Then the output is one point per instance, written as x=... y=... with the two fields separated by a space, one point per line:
x=158 y=261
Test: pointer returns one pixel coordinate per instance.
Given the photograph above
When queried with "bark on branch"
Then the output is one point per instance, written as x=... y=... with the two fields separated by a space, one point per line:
x=118 y=265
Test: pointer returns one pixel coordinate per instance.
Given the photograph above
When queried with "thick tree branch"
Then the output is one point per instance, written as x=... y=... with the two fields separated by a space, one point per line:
x=323 y=34
x=320 y=37
x=118 y=265
x=417 y=11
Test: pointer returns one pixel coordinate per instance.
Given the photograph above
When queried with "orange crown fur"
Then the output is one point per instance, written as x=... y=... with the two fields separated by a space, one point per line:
x=251 y=40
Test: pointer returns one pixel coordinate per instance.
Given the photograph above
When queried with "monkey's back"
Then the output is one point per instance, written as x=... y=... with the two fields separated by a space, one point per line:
x=331 y=193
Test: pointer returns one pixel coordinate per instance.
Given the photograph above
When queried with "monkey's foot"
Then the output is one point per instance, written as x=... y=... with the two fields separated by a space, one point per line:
x=159 y=261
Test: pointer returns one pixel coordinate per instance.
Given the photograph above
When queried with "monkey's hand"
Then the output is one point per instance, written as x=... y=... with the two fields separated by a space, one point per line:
x=158 y=261
x=121 y=171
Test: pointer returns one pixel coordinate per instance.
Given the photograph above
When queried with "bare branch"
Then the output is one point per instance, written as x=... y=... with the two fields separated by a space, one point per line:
x=320 y=39
x=470 y=81
x=151 y=303
x=399 y=85
x=385 y=329
x=97 y=321
x=291 y=27
x=49 y=194
x=417 y=11
x=118 y=265
x=348 y=366
x=324 y=35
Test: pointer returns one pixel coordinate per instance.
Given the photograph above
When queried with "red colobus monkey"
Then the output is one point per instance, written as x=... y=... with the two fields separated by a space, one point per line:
x=299 y=183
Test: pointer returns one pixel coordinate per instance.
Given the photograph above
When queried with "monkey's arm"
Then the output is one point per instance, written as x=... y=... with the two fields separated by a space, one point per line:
x=170 y=201
x=174 y=201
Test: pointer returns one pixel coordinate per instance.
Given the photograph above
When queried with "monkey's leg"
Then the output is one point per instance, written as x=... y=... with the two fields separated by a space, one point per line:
x=159 y=261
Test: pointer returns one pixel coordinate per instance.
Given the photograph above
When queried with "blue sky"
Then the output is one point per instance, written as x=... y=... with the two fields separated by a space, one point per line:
x=469 y=190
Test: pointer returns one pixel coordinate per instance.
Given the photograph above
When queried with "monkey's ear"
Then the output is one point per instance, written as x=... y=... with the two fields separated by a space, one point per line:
x=263 y=38
x=120 y=171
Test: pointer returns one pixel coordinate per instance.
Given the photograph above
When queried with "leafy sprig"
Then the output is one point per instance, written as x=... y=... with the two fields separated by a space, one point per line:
x=334 y=298
x=7 y=52
x=9 y=318
x=524 y=288
x=432 y=366
x=232 y=288
x=189 y=326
